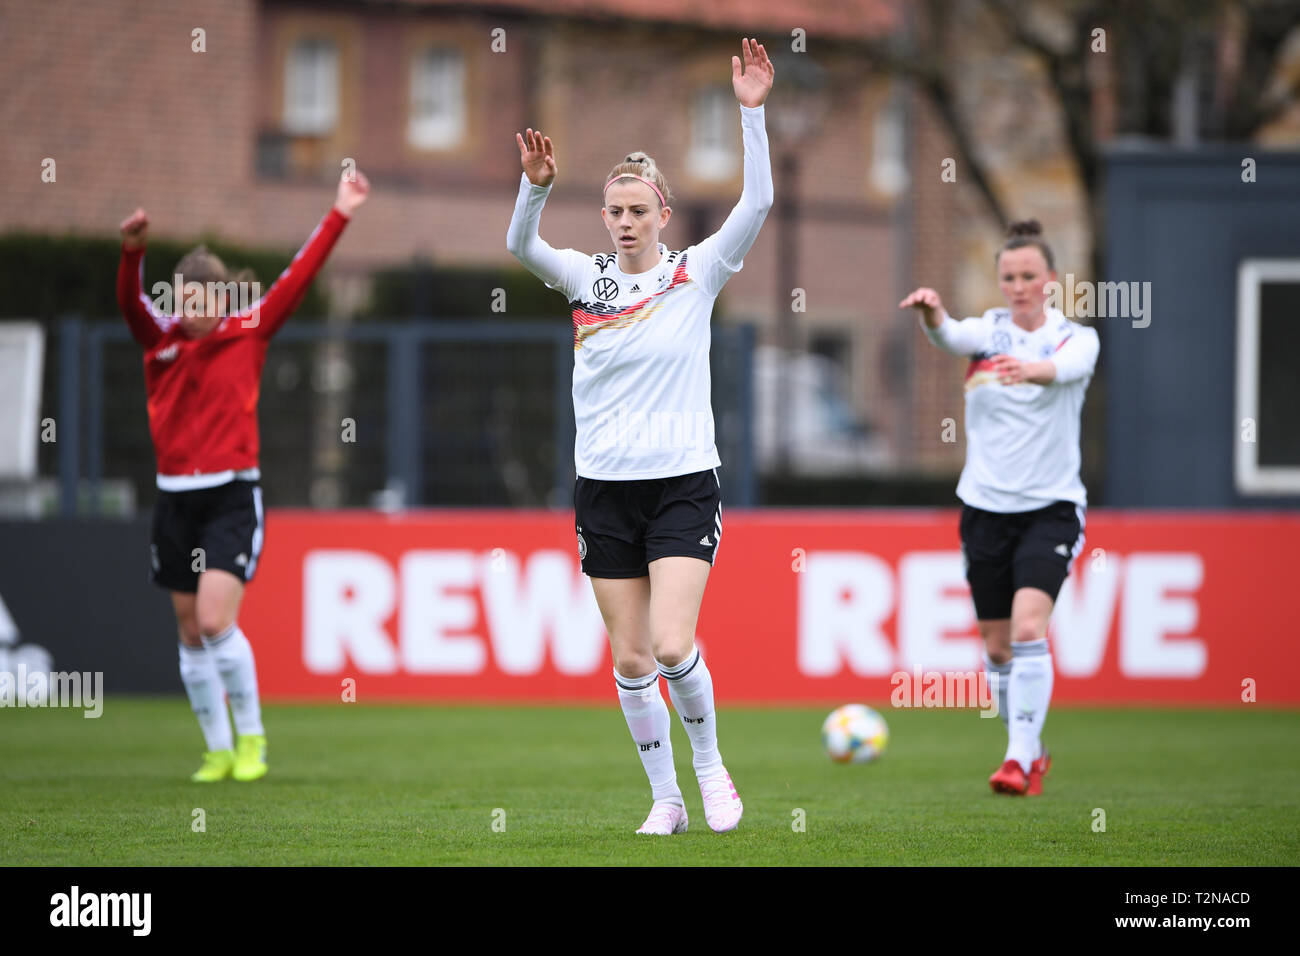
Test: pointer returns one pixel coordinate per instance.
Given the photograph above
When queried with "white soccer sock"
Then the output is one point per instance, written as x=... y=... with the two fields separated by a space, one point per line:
x=691 y=688
x=647 y=719
x=1028 y=695
x=998 y=676
x=207 y=696
x=234 y=660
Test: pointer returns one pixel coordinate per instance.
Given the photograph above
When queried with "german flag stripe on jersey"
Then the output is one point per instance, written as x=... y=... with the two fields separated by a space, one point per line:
x=980 y=371
x=592 y=317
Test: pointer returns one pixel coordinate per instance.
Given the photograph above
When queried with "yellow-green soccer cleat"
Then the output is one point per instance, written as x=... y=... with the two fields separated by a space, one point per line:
x=217 y=765
x=250 y=757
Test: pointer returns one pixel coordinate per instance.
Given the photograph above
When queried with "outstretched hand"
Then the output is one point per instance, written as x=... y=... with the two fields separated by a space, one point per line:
x=755 y=83
x=929 y=304
x=135 y=229
x=537 y=156
x=353 y=190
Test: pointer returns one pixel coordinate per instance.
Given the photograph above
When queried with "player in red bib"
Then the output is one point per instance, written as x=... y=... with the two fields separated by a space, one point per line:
x=203 y=358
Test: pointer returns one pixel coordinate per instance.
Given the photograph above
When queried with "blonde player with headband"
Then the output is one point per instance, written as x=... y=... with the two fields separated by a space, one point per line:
x=647 y=504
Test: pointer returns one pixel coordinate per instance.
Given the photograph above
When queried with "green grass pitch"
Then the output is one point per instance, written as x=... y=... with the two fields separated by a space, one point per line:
x=418 y=785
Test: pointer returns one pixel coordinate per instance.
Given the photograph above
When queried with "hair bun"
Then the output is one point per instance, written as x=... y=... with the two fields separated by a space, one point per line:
x=639 y=165
x=1025 y=227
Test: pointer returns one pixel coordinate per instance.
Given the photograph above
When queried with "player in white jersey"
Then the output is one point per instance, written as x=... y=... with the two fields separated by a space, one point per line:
x=1023 y=501
x=647 y=504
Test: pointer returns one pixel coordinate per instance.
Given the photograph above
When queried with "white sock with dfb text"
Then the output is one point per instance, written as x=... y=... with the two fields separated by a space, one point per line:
x=234 y=660
x=207 y=696
x=647 y=719
x=1029 y=692
x=690 y=685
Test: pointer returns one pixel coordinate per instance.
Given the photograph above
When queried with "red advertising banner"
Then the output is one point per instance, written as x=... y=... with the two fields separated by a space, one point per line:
x=802 y=606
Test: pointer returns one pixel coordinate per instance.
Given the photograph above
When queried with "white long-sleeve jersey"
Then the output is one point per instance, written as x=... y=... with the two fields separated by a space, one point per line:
x=1022 y=441
x=641 y=385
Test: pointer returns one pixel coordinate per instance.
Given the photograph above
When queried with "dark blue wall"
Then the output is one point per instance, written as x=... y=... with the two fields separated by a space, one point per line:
x=79 y=589
x=1183 y=221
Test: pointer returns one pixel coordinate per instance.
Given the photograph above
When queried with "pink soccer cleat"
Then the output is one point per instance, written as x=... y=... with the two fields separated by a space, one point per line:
x=665 y=819
x=722 y=806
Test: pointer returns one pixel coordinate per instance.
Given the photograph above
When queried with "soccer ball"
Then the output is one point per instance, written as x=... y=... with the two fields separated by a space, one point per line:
x=854 y=733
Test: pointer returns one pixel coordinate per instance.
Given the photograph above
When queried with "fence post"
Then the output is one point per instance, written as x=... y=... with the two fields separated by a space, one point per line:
x=565 y=429
x=747 y=483
x=69 y=412
x=404 y=435
x=95 y=414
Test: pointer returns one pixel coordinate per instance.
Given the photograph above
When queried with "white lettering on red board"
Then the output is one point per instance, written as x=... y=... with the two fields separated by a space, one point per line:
x=347 y=596
x=531 y=607
x=461 y=612
x=846 y=597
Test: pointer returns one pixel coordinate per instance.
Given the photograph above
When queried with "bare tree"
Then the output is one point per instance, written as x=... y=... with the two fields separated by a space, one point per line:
x=1191 y=70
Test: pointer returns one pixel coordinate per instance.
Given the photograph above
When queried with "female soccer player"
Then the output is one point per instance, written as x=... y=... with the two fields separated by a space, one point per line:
x=648 y=500
x=202 y=370
x=1023 y=507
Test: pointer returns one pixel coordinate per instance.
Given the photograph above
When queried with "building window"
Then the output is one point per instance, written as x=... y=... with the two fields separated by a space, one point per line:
x=311 y=88
x=834 y=345
x=1267 y=445
x=437 y=118
x=713 y=153
x=889 y=148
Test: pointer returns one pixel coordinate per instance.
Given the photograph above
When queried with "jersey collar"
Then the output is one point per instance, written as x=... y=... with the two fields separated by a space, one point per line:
x=637 y=276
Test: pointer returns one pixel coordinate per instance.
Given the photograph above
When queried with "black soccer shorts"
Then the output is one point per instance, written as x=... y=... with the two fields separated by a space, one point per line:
x=624 y=525
x=1026 y=549
x=204 y=529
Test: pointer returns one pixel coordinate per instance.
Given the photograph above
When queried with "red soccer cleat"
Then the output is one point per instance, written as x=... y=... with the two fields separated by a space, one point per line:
x=1037 y=771
x=1009 y=778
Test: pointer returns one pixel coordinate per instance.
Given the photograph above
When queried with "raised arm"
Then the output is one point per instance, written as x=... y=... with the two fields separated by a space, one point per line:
x=721 y=256
x=146 y=323
x=960 y=338
x=560 y=269
x=270 y=311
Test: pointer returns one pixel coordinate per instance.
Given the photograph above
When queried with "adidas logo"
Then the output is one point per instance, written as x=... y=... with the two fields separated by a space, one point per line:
x=636 y=288
x=1062 y=550
x=242 y=560
x=706 y=542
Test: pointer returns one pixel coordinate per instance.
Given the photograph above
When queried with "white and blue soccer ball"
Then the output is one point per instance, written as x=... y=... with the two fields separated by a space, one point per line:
x=854 y=733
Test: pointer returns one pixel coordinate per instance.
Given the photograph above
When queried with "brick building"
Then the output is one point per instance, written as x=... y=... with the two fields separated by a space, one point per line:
x=234 y=117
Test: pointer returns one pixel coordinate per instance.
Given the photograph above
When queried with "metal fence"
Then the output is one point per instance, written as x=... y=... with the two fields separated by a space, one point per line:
x=416 y=413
